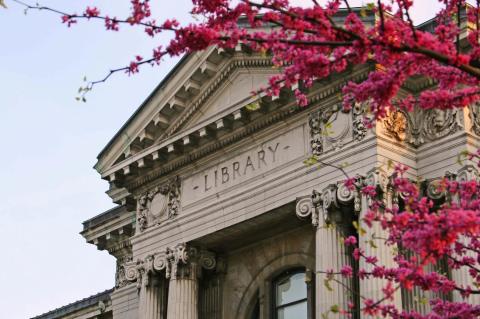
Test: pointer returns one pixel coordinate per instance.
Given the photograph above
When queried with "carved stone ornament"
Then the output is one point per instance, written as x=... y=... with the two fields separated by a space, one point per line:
x=120 y=275
x=159 y=204
x=359 y=116
x=316 y=141
x=467 y=173
x=439 y=123
x=336 y=126
x=396 y=125
x=324 y=204
x=434 y=189
x=180 y=261
x=475 y=117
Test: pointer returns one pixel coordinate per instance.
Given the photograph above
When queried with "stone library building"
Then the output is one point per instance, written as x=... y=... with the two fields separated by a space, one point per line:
x=218 y=216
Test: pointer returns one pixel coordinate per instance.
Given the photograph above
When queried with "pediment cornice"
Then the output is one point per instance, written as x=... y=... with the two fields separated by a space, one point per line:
x=228 y=127
x=170 y=107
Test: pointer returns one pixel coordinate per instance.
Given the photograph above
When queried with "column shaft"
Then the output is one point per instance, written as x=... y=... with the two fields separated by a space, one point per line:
x=152 y=300
x=330 y=255
x=372 y=288
x=183 y=295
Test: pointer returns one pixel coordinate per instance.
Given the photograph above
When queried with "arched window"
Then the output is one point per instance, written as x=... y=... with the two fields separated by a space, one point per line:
x=290 y=296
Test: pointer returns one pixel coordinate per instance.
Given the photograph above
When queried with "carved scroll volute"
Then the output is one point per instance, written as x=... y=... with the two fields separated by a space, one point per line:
x=308 y=206
x=434 y=190
x=159 y=262
x=131 y=270
x=207 y=259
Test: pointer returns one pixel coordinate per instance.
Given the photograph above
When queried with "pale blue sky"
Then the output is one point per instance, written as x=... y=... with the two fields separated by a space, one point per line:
x=50 y=143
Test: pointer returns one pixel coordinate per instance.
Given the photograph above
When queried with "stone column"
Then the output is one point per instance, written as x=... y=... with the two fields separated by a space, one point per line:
x=372 y=288
x=151 y=289
x=330 y=253
x=183 y=266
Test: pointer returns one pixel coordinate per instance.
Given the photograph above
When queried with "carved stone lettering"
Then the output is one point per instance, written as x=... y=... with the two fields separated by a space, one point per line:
x=254 y=162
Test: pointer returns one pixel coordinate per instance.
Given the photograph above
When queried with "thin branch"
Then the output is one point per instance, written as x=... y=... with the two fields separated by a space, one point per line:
x=82 y=16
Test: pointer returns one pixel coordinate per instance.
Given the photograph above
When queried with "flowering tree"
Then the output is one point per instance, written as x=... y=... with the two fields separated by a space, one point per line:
x=309 y=43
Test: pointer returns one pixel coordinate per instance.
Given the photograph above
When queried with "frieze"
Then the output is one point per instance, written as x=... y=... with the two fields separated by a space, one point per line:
x=159 y=204
x=256 y=161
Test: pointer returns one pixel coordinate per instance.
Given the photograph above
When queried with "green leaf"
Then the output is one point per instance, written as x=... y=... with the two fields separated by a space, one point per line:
x=335 y=309
x=390 y=164
x=254 y=106
x=462 y=156
x=326 y=283
x=310 y=161
x=345 y=165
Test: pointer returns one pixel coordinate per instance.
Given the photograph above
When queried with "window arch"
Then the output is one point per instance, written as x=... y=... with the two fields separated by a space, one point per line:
x=291 y=295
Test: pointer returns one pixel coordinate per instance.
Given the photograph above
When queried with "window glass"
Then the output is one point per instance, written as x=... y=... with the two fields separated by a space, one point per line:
x=296 y=311
x=291 y=296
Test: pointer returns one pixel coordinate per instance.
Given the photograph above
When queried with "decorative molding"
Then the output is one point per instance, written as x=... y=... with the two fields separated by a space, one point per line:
x=359 y=128
x=316 y=141
x=159 y=204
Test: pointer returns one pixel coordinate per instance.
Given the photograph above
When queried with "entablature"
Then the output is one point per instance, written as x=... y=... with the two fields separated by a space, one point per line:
x=111 y=230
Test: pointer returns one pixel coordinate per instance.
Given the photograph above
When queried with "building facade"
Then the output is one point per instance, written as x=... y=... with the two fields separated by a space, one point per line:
x=222 y=213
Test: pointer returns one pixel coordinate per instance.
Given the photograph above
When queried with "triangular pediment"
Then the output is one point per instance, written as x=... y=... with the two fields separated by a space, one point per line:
x=235 y=91
x=201 y=86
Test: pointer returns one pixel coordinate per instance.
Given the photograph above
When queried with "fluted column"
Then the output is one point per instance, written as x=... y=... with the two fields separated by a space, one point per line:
x=151 y=288
x=182 y=266
x=330 y=252
x=372 y=287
